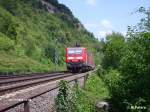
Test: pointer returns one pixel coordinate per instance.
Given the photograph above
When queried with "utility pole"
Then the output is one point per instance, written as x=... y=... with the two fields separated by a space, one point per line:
x=56 y=55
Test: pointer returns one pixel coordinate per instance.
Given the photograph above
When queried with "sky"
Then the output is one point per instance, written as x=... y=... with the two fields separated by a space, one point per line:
x=101 y=17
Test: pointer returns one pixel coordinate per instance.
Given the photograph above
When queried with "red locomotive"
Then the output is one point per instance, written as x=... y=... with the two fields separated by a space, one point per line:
x=78 y=59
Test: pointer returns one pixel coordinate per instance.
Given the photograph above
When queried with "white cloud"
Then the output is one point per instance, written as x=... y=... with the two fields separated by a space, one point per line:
x=91 y=2
x=105 y=28
x=106 y=24
x=102 y=34
x=100 y=29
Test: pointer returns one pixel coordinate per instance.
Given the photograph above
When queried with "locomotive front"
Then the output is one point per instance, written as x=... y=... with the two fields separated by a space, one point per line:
x=75 y=58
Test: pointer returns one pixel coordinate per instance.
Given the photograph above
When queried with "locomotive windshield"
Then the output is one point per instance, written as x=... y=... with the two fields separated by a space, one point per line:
x=74 y=51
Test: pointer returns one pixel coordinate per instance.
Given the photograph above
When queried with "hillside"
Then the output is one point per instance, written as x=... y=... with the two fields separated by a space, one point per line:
x=32 y=30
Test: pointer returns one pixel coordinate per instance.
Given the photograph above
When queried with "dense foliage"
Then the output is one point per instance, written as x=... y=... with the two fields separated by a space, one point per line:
x=113 y=50
x=32 y=39
x=128 y=76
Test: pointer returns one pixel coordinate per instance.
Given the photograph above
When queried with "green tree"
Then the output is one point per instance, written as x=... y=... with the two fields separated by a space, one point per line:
x=113 y=50
x=135 y=67
x=131 y=86
x=144 y=25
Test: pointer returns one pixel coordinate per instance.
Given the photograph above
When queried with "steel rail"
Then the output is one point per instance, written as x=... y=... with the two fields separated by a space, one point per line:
x=22 y=85
x=26 y=78
x=2 y=76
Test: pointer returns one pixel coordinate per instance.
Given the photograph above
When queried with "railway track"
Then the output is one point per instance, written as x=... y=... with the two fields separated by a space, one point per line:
x=8 y=76
x=11 y=84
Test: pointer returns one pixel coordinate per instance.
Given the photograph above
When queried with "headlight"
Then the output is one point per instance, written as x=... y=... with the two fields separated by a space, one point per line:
x=79 y=57
x=69 y=58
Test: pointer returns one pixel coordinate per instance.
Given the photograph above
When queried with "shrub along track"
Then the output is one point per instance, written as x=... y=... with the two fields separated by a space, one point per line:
x=14 y=83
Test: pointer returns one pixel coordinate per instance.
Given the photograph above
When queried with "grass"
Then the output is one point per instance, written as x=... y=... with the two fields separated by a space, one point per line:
x=21 y=65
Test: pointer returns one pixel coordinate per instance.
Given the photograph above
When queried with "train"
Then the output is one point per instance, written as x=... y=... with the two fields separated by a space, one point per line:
x=79 y=59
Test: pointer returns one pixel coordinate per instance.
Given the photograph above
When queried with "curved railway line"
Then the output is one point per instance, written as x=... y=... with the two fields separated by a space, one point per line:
x=14 y=83
x=19 y=90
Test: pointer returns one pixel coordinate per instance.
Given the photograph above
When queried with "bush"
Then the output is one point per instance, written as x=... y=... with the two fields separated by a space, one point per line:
x=65 y=100
x=95 y=90
x=6 y=43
